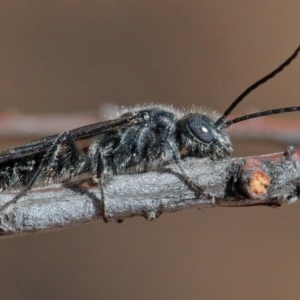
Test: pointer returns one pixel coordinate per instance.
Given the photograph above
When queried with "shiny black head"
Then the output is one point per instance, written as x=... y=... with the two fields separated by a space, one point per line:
x=201 y=136
x=198 y=136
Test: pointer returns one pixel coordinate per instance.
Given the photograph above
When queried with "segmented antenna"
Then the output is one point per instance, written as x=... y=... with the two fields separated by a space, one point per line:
x=260 y=114
x=254 y=86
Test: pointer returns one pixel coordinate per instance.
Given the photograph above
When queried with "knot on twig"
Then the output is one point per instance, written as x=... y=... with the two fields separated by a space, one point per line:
x=254 y=180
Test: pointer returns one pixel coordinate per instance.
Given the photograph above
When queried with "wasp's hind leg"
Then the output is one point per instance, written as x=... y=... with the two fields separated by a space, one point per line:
x=49 y=160
x=100 y=176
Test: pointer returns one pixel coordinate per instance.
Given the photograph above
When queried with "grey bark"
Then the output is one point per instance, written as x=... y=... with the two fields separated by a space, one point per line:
x=225 y=183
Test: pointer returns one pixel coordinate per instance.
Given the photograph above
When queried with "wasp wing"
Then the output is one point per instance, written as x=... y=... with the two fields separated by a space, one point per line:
x=88 y=131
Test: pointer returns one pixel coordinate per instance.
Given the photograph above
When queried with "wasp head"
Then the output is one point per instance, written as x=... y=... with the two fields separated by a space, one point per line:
x=198 y=136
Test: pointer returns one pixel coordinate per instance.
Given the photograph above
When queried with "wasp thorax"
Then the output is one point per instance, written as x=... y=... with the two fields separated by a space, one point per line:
x=198 y=136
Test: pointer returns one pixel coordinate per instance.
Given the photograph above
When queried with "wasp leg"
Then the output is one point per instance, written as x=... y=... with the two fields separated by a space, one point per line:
x=49 y=157
x=197 y=189
x=100 y=174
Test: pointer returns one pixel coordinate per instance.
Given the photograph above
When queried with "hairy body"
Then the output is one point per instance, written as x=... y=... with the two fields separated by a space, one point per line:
x=140 y=139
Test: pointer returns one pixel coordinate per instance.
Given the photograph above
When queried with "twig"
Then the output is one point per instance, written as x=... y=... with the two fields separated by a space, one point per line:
x=262 y=180
x=27 y=125
x=284 y=130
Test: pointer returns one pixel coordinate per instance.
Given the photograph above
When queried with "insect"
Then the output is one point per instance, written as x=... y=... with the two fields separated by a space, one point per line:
x=137 y=140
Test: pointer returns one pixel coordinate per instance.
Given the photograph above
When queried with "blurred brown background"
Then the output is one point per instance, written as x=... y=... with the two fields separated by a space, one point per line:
x=69 y=56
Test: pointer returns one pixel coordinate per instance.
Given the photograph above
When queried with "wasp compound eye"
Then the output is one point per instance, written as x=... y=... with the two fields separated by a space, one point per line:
x=199 y=126
x=197 y=136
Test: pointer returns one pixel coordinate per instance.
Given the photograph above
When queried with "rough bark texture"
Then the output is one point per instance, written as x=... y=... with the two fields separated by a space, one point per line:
x=262 y=180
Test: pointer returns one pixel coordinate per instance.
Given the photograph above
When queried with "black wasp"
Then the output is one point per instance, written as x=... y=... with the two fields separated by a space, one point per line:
x=138 y=140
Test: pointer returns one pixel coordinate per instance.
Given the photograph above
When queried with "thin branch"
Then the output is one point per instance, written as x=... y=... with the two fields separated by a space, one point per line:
x=262 y=180
x=27 y=125
x=16 y=125
x=270 y=129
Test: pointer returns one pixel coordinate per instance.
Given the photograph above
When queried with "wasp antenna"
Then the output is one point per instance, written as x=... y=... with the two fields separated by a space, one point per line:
x=260 y=114
x=255 y=85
